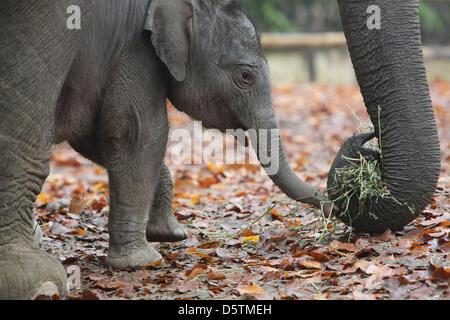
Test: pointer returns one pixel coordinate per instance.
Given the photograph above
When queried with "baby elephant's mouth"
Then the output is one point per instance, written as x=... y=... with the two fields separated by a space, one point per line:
x=232 y=124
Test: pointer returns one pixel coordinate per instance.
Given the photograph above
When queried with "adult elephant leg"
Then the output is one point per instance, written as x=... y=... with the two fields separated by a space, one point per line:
x=162 y=225
x=390 y=70
x=36 y=50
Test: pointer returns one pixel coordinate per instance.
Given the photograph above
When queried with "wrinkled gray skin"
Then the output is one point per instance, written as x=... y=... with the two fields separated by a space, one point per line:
x=390 y=71
x=103 y=89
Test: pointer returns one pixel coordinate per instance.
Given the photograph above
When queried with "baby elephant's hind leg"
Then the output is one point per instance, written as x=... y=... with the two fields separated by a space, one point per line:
x=162 y=225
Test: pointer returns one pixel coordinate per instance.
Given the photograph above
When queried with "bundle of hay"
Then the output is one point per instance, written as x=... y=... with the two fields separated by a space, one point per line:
x=356 y=183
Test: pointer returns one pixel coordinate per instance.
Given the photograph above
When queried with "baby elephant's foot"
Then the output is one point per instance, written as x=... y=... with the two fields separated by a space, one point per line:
x=27 y=273
x=164 y=227
x=125 y=257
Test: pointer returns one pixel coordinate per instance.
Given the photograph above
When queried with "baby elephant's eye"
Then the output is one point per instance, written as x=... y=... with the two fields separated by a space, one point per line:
x=244 y=78
x=247 y=76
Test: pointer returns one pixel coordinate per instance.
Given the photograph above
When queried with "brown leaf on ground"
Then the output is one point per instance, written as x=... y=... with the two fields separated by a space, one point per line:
x=311 y=264
x=337 y=245
x=213 y=275
x=251 y=289
x=189 y=285
x=92 y=295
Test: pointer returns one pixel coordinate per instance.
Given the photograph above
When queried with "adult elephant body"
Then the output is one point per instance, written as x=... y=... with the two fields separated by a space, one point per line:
x=390 y=70
x=35 y=57
x=103 y=88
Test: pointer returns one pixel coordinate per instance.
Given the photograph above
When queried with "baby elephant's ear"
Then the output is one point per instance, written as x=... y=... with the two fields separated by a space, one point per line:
x=167 y=20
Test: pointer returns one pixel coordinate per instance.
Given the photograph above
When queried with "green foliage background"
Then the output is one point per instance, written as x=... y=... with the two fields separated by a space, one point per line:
x=323 y=15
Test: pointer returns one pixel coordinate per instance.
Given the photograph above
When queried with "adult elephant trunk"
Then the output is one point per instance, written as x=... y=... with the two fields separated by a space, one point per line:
x=387 y=57
x=269 y=149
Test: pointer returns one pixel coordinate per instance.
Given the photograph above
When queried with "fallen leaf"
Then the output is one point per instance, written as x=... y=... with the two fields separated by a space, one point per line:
x=212 y=275
x=312 y=264
x=101 y=187
x=337 y=245
x=91 y=294
x=230 y=254
x=57 y=228
x=76 y=205
x=276 y=214
x=252 y=289
x=153 y=265
x=234 y=208
x=441 y=273
x=319 y=254
x=44 y=198
x=80 y=232
x=190 y=285
x=363 y=296
x=109 y=285
x=194 y=251
x=195 y=199
x=251 y=239
x=198 y=270
x=247 y=233
x=207 y=182
x=387 y=236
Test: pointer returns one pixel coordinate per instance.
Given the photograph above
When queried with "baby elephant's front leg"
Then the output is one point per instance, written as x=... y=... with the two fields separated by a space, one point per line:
x=162 y=225
x=132 y=183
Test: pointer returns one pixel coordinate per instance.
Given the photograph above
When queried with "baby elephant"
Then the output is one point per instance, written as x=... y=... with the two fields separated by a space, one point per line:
x=109 y=103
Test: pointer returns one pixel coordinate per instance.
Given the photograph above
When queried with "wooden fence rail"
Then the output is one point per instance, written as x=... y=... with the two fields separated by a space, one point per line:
x=308 y=44
x=327 y=40
x=299 y=41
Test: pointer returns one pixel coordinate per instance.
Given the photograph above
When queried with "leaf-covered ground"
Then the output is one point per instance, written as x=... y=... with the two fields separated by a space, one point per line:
x=239 y=245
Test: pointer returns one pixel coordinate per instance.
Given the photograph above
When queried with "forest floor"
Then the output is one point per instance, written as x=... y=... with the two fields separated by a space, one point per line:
x=239 y=245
